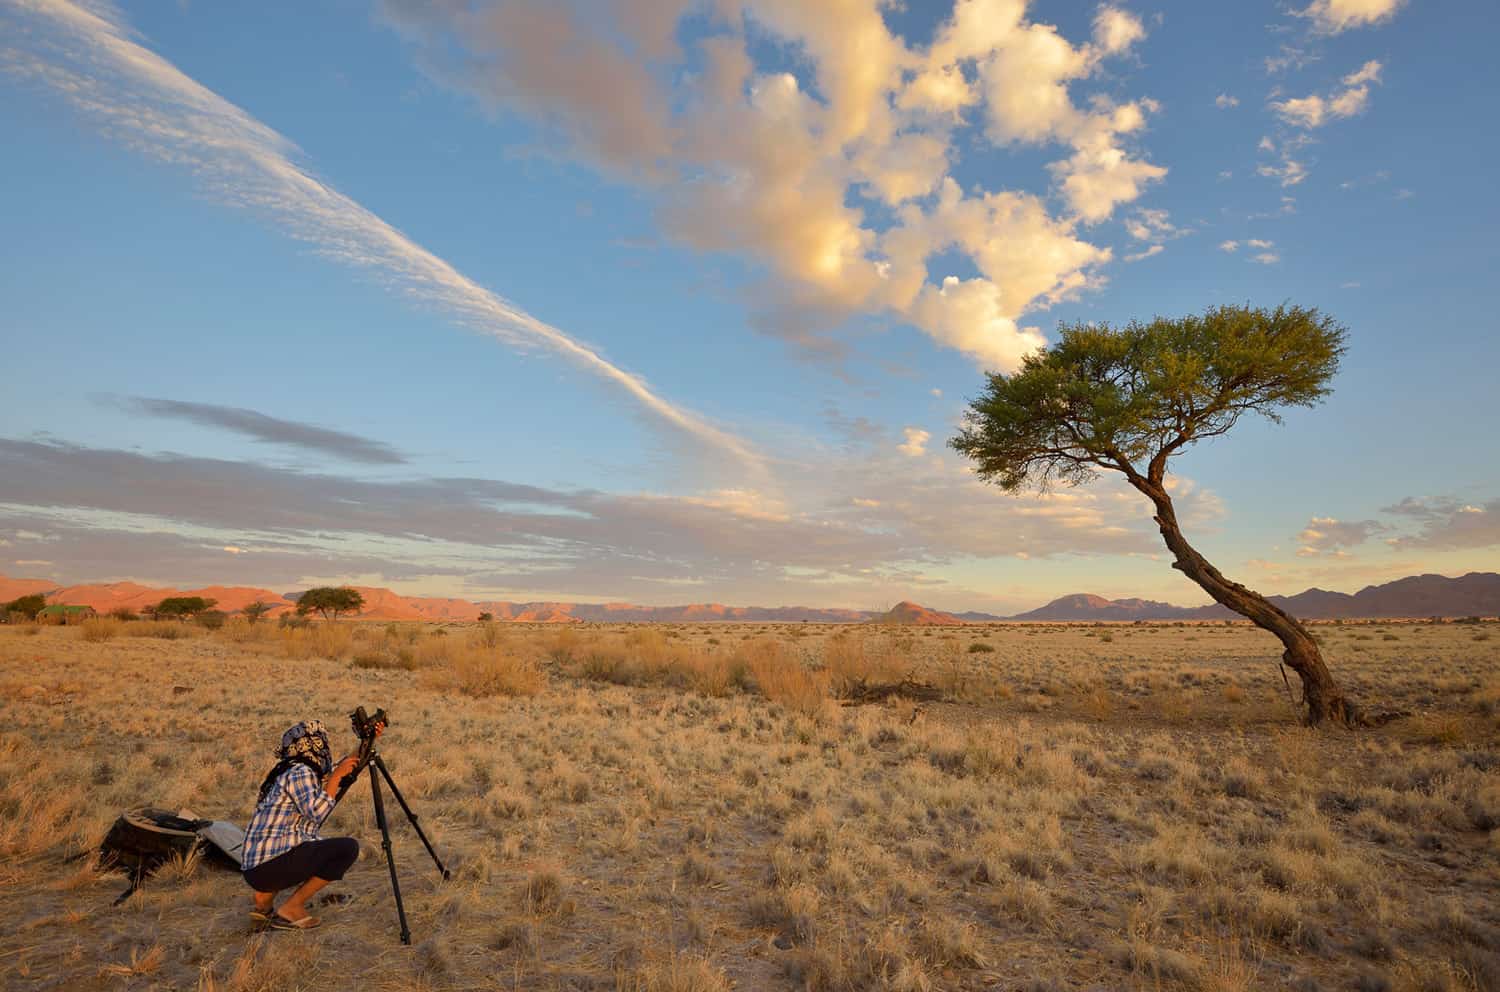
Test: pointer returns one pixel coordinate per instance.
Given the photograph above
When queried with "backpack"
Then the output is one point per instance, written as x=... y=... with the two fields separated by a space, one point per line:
x=142 y=840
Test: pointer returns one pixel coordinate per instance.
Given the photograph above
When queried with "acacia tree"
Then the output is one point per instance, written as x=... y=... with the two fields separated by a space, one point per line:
x=1128 y=399
x=254 y=611
x=329 y=601
x=27 y=606
x=183 y=607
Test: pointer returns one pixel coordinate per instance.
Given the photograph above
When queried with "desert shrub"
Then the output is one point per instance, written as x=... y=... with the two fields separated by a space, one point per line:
x=564 y=645
x=478 y=671
x=241 y=630
x=401 y=658
x=487 y=635
x=782 y=678
x=979 y=647
x=211 y=619
x=124 y=613
x=100 y=629
x=164 y=630
x=324 y=640
x=849 y=662
x=291 y=621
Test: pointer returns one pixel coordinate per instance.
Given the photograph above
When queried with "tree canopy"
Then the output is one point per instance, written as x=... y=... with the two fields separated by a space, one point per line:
x=330 y=601
x=183 y=606
x=28 y=606
x=1127 y=398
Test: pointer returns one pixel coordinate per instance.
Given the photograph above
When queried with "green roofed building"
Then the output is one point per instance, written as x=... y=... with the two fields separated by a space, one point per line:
x=63 y=613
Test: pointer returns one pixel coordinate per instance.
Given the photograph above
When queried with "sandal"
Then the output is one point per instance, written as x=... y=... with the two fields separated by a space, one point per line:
x=261 y=916
x=308 y=922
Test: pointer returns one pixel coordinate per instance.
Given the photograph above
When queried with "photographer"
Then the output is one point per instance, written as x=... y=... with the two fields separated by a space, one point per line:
x=282 y=848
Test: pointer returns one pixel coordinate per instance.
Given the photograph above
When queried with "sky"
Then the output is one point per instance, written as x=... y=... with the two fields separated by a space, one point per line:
x=671 y=301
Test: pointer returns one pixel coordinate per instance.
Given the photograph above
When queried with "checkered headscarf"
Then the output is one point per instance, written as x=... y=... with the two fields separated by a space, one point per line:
x=304 y=744
x=307 y=742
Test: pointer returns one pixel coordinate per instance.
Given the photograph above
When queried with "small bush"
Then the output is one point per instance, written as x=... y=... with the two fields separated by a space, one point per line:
x=163 y=630
x=211 y=619
x=783 y=679
x=100 y=629
x=324 y=640
x=979 y=647
x=479 y=672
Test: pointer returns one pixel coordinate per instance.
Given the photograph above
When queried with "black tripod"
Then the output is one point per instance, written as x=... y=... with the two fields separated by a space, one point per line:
x=369 y=756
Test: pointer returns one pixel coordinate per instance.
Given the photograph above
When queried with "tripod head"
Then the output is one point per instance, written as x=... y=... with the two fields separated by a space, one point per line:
x=366 y=727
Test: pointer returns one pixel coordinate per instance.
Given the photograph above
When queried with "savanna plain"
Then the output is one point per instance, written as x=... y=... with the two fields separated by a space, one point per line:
x=691 y=808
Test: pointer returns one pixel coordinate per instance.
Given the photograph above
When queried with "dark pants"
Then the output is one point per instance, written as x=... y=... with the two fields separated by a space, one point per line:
x=325 y=859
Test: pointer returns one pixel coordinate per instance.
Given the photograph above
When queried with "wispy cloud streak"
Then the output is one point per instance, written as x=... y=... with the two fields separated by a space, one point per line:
x=87 y=55
x=271 y=430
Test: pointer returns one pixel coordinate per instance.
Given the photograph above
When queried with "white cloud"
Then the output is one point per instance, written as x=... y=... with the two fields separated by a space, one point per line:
x=1290 y=172
x=1334 y=16
x=1147 y=224
x=1224 y=101
x=1148 y=253
x=833 y=169
x=25 y=562
x=915 y=443
x=1266 y=258
x=1329 y=536
x=234 y=549
x=1258 y=243
x=144 y=101
x=1314 y=111
x=1229 y=246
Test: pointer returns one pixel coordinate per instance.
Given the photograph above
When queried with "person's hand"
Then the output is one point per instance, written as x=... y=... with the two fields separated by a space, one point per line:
x=346 y=765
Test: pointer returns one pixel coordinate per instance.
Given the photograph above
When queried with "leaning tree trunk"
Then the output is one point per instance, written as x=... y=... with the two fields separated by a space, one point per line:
x=1325 y=701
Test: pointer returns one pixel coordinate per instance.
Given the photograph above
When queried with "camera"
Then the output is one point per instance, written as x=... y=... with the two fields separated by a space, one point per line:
x=366 y=724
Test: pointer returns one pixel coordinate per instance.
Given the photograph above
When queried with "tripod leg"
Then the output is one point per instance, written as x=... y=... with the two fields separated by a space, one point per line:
x=386 y=774
x=390 y=856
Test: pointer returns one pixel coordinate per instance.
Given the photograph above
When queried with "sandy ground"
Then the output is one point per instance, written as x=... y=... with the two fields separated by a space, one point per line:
x=1122 y=807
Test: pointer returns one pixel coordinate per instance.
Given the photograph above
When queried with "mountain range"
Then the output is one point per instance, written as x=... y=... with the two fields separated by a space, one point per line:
x=1474 y=594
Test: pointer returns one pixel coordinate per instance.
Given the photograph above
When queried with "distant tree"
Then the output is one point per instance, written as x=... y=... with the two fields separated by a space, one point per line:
x=124 y=613
x=254 y=611
x=183 y=607
x=211 y=619
x=27 y=606
x=486 y=617
x=1127 y=399
x=330 y=601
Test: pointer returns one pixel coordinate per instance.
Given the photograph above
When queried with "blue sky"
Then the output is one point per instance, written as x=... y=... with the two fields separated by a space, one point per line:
x=646 y=301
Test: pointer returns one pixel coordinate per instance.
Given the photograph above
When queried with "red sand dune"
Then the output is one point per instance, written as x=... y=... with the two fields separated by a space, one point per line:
x=912 y=613
x=16 y=588
x=133 y=596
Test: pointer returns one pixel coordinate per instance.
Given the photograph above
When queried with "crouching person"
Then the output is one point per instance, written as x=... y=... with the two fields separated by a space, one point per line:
x=282 y=848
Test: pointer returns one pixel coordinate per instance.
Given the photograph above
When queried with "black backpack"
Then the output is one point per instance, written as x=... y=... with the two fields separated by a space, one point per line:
x=142 y=840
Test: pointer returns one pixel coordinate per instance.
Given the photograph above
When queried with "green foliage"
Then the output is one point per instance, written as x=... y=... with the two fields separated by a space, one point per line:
x=184 y=607
x=330 y=601
x=486 y=617
x=27 y=606
x=1122 y=398
x=211 y=619
x=979 y=647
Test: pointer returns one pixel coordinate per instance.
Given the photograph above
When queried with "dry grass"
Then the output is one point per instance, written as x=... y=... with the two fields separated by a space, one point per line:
x=100 y=629
x=686 y=808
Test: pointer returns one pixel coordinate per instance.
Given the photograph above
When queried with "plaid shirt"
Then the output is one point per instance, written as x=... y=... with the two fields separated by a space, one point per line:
x=291 y=814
